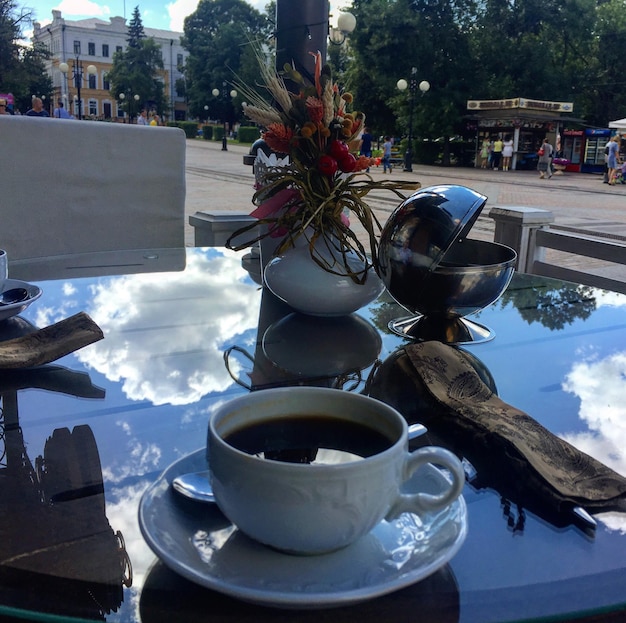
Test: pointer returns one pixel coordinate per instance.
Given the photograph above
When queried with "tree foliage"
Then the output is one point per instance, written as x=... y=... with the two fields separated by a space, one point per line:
x=218 y=36
x=392 y=38
x=136 y=32
x=137 y=70
x=561 y=50
x=22 y=70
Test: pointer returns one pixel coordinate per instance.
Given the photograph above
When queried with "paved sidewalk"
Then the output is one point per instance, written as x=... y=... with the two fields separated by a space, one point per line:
x=218 y=180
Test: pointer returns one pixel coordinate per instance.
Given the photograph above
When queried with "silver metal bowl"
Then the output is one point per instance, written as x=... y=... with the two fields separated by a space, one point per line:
x=472 y=275
x=431 y=268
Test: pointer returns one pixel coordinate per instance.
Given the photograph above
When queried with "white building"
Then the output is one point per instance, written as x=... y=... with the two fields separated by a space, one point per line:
x=94 y=42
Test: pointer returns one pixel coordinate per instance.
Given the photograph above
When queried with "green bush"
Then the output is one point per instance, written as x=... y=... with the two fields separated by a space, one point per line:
x=190 y=128
x=248 y=134
x=207 y=132
x=218 y=132
x=426 y=152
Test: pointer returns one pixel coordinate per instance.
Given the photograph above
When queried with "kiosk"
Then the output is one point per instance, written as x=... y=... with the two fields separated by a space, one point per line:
x=527 y=121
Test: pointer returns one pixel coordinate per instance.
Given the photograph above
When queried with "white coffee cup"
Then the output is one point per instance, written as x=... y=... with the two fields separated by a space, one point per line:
x=316 y=508
x=4 y=268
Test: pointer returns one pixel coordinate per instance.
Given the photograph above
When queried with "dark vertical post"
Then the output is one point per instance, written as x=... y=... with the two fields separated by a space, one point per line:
x=301 y=27
x=78 y=79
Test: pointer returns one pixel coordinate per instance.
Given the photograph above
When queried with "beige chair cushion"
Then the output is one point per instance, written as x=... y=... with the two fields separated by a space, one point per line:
x=71 y=186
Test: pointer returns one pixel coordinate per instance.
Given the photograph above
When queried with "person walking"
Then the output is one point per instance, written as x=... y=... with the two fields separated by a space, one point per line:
x=387 y=145
x=60 y=112
x=37 y=110
x=485 y=148
x=545 y=160
x=612 y=159
x=507 y=152
x=365 y=148
x=496 y=155
x=142 y=117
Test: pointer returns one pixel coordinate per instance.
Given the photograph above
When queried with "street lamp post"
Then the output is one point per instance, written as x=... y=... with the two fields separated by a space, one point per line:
x=135 y=97
x=402 y=85
x=227 y=96
x=77 y=75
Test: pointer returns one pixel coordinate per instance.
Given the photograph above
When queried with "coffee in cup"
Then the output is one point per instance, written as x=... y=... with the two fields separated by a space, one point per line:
x=309 y=470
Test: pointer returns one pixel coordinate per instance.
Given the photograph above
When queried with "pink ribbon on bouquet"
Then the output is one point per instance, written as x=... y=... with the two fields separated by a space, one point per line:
x=271 y=207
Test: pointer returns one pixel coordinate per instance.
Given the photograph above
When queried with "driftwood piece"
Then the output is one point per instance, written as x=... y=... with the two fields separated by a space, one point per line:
x=50 y=343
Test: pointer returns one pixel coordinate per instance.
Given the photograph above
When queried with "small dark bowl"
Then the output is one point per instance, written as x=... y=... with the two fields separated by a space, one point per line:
x=472 y=275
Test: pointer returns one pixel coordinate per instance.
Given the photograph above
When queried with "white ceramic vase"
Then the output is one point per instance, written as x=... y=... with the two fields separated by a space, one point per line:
x=295 y=278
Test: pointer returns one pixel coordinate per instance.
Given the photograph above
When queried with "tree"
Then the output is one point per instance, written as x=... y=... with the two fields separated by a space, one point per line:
x=601 y=87
x=393 y=37
x=137 y=70
x=219 y=36
x=135 y=30
x=22 y=70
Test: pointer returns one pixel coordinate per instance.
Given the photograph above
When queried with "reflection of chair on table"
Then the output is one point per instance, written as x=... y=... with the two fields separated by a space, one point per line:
x=59 y=501
x=79 y=187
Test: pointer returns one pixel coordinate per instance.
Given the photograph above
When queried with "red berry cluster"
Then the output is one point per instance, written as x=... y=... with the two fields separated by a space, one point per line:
x=339 y=158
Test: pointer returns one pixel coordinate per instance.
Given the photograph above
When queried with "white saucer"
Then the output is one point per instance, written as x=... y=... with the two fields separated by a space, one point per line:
x=34 y=292
x=198 y=542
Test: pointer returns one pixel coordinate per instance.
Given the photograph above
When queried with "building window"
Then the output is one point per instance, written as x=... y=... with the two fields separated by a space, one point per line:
x=76 y=47
x=105 y=50
x=92 y=82
x=91 y=49
x=179 y=62
x=119 y=48
x=105 y=82
x=93 y=108
x=120 y=112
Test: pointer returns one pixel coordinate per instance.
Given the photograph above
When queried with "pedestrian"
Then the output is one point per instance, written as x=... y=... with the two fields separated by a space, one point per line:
x=3 y=106
x=365 y=148
x=613 y=159
x=485 y=148
x=507 y=152
x=496 y=155
x=142 y=117
x=60 y=112
x=387 y=145
x=37 y=110
x=545 y=160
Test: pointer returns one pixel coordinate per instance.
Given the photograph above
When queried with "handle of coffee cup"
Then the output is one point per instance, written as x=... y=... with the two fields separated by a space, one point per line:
x=422 y=501
x=227 y=354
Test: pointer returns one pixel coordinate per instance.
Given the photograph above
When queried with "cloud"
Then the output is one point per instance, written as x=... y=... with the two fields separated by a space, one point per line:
x=83 y=8
x=178 y=11
x=200 y=312
x=599 y=383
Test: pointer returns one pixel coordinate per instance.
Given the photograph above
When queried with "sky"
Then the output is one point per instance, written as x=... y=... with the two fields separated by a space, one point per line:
x=164 y=14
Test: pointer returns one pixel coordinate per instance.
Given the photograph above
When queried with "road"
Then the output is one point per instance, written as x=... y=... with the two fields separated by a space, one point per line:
x=218 y=180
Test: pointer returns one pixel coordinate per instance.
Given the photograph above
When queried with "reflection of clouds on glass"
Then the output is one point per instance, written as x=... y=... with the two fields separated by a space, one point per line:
x=177 y=324
x=122 y=515
x=606 y=298
x=601 y=386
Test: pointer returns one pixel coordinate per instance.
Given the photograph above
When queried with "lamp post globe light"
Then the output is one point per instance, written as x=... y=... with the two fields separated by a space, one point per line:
x=227 y=96
x=77 y=76
x=412 y=86
x=346 y=23
x=122 y=97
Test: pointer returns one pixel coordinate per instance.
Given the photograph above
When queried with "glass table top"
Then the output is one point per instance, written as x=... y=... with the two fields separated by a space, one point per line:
x=84 y=437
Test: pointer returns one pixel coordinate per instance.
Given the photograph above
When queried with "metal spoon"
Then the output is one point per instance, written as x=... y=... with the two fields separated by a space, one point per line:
x=197 y=485
x=14 y=295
